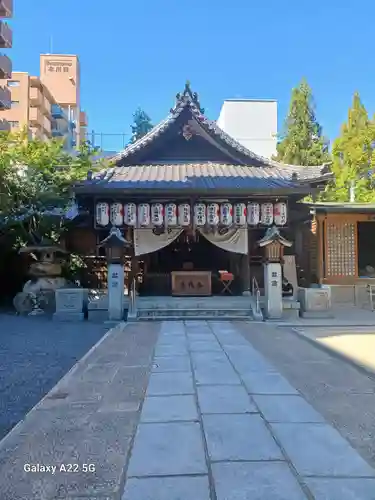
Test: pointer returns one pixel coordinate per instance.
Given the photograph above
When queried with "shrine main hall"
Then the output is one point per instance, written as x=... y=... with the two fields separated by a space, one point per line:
x=194 y=204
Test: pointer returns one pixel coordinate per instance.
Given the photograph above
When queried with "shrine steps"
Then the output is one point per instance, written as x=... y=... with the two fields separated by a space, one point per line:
x=194 y=308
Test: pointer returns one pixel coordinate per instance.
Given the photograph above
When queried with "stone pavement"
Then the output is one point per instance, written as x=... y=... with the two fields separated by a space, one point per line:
x=179 y=411
x=220 y=423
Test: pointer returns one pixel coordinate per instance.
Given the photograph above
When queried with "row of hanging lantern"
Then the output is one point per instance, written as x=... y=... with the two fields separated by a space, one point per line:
x=172 y=215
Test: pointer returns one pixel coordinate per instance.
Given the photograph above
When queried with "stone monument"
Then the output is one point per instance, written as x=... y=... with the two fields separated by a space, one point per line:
x=274 y=244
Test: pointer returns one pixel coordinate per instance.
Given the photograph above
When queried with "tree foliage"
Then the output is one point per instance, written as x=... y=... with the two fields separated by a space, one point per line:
x=353 y=158
x=141 y=124
x=36 y=178
x=302 y=142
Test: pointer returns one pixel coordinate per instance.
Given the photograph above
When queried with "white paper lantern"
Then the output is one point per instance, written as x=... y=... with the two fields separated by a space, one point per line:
x=266 y=214
x=130 y=214
x=280 y=214
x=170 y=214
x=117 y=214
x=213 y=214
x=200 y=214
x=157 y=214
x=102 y=214
x=240 y=214
x=226 y=214
x=184 y=214
x=144 y=215
x=253 y=214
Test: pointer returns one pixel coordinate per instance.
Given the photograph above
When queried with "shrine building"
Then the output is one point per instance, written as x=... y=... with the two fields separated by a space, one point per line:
x=194 y=203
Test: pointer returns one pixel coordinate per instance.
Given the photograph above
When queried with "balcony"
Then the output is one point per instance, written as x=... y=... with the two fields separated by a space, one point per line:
x=46 y=124
x=5 y=67
x=5 y=98
x=6 y=8
x=6 y=35
x=36 y=117
x=36 y=97
x=57 y=112
x=4 y=126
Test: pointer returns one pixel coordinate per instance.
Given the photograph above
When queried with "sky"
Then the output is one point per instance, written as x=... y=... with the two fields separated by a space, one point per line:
x=140 y=53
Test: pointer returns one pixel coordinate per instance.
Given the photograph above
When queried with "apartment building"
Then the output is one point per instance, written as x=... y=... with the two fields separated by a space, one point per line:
x=60 y=73
x=47 y=106
x=6 y=41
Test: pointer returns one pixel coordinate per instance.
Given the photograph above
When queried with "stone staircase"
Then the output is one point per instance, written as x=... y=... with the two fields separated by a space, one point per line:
x=193 y=308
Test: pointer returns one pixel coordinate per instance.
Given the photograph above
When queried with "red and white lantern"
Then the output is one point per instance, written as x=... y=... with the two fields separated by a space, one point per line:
x=226 y=214
x=200 y=214
x=253 y=214
x=144 y=215
x=240 y=214
x=102 y=214
x=266 y=214
x=184 y=214
x=280 y=214
x=170 y=214
x=117 y=214
x=213 y=214
x=157 y=214
x=130 y=214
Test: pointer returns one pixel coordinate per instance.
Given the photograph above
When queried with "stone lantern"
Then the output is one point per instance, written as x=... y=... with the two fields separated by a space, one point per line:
x=273 y=244
x=115 y=245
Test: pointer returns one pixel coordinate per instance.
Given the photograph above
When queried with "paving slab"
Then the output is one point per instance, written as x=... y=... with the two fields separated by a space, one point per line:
x=167 y=488
x=291 y=409
x=239 y=437
x=224 y=399
x=319 y=450
x=214 y=375
x=171 y=364
x=168 y=449
x=341 y=489
x=267 y=383
x=255 y=481
x=171 y=350
x=164 y=384
x=202 y=346
x=169 y=408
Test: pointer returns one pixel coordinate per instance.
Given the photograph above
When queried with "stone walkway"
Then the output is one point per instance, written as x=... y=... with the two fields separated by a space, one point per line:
x=220 y=423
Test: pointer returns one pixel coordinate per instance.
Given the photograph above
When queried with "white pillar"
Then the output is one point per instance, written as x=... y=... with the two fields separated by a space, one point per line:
x=115 y=292
x=273 y=290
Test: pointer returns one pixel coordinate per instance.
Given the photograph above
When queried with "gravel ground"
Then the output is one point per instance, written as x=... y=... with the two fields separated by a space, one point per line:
x=344 y=395
x=35 y=353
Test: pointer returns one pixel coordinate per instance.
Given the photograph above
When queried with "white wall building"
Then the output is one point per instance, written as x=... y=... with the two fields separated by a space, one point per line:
x=252 y=122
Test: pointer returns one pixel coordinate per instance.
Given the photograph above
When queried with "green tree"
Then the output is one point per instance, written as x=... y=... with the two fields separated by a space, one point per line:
x=302 y=142
x=353 y=157
x=141 y=124
x=36 y=179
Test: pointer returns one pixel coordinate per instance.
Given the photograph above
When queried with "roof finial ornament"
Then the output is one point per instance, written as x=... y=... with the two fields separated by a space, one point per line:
x=187 y=96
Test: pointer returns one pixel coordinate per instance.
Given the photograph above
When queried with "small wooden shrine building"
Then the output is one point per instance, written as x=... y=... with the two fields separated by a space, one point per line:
x=194 y=202
x=345 y=235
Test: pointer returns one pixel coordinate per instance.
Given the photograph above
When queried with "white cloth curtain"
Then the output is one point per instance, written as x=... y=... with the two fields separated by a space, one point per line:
x=148 y=241
x=232 y=240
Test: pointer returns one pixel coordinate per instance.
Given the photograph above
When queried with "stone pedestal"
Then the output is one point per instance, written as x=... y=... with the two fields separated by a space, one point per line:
x=70 y=304
x=273 y=290
x=315 y=302
x=115 y=292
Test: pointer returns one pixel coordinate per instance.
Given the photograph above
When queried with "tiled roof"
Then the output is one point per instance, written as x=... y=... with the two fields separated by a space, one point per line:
x=190 y=99
x=199 y=176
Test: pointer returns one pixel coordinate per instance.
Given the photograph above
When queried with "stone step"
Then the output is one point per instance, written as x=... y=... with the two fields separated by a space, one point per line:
x=212 y=314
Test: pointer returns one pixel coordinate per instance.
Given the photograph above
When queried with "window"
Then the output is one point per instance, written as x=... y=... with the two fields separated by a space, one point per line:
x=14 y=104
x=13 y=83
x=14 y=124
